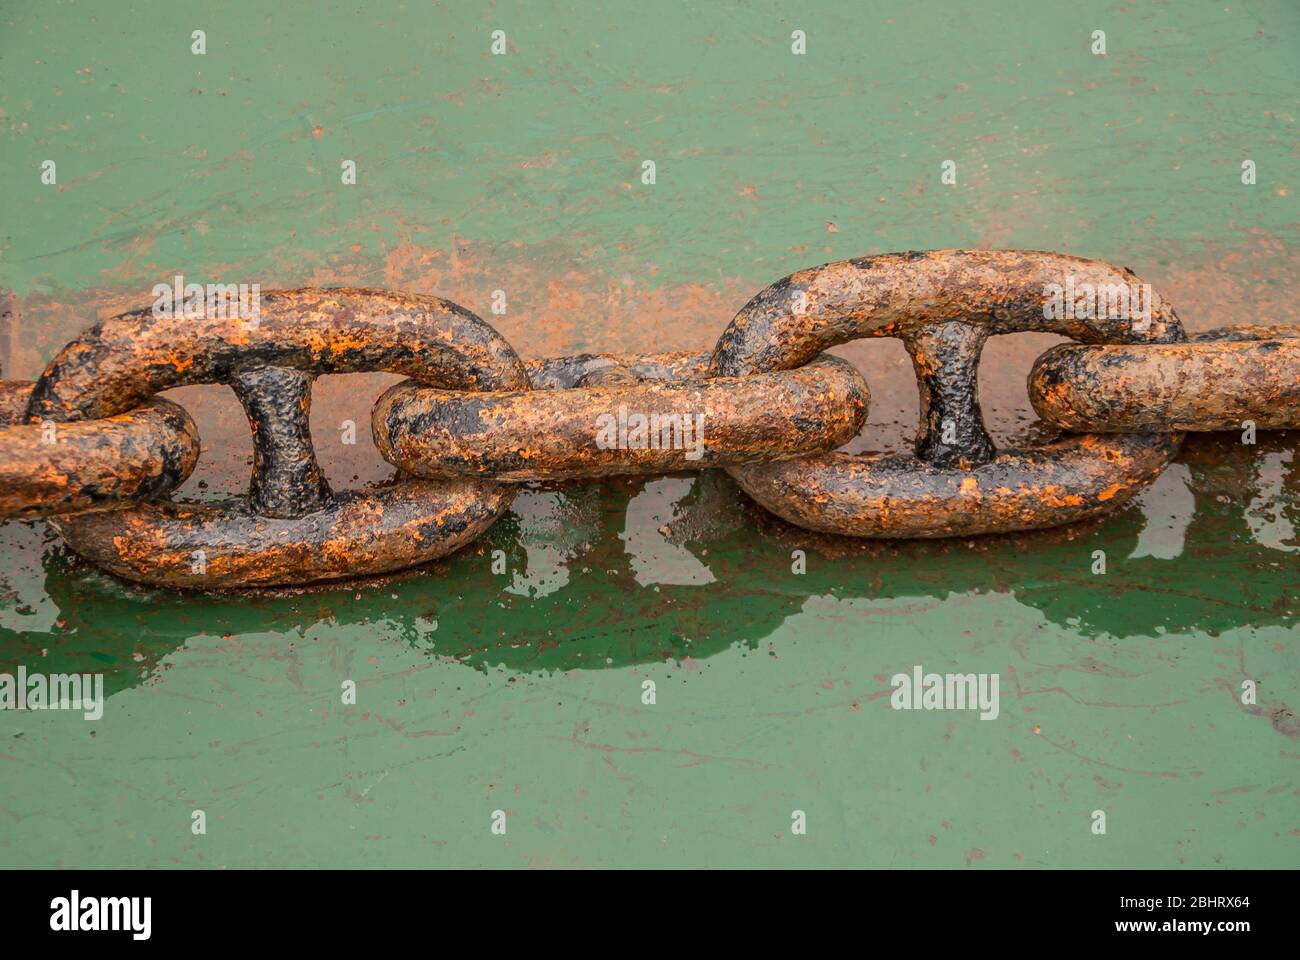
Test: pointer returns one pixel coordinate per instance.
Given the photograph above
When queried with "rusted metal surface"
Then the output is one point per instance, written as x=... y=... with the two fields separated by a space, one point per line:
x=767 y=405
x=227 y=545
x=1071 y=479
x=1214 y=382
x=287 y=480
x=94 y=465
x=119 y=363
x=583 y=422
x=290 y=529
x=944 y=305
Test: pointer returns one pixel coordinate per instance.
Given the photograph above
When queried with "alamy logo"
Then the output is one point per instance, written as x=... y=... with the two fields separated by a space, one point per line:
x=216 y=301
x=1100 y=301
x=57 y=691
x=102 y=913
x=946 y=691
x=655 y=431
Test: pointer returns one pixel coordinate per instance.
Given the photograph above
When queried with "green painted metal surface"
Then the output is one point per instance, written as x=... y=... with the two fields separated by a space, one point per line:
x=522 y=691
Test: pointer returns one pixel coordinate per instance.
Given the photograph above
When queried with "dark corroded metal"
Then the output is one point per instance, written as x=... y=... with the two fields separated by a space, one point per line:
x=1214 y=382
x=584 y=422
x=290 y=529
x=946 y=357
x=287 y=480
x=48 y=468
x=767 y=405
x=943 y=305
x=1070 y=479
x=225 y=544
x=119 y=363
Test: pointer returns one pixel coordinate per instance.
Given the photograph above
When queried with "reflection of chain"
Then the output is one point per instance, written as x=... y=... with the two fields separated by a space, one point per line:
x=89 y=444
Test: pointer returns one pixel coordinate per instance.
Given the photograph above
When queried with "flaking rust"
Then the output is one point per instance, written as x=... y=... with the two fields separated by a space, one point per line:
x=48 y=468
x=356 y=532
x=1071 y=479
x=943 y=305
x=576 y=424
x=291 y=529
x=767 y=405
x=123 y=361
x=1216 y=381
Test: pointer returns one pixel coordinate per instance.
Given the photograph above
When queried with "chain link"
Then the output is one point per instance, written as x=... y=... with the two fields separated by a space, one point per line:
x=290 y=528
x=101 y=464
x=1215 y=381
x=90 y=445
x=944 y=305
x=548 y=432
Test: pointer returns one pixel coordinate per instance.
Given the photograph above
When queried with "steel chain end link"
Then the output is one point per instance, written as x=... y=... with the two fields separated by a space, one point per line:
x=768 y=406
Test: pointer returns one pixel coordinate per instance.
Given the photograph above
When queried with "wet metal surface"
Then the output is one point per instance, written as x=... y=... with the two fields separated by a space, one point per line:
x=579 y=427
x=291 y=529
x=94 y=465
x=903 y=496
x=943 y=304
x=1219 y=380
x=356 y=532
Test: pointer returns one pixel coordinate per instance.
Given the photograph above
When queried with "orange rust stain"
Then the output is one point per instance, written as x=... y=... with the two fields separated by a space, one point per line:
x=341 y=343
x=1110 y=491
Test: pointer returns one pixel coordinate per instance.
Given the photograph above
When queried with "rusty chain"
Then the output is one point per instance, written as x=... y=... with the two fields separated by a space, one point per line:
x=91 y=447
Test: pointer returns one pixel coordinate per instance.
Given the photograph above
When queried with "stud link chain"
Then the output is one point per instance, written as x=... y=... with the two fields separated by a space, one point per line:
x=90 y=446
